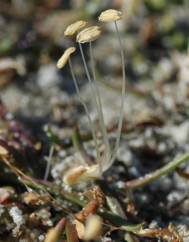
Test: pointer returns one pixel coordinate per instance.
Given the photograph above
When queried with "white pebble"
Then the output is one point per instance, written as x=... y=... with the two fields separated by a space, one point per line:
x=17 y=216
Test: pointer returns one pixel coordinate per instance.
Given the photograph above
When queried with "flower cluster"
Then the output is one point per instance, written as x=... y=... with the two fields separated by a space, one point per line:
x=84 y=34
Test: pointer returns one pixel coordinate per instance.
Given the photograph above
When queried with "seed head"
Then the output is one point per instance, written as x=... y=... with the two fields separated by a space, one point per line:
x=65 y=57
x=110 y=15
x=89 y=34
x=72 y=29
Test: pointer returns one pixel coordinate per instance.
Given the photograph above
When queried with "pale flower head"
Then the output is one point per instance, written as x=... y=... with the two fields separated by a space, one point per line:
x=65 y=57
x=110 y=15
x=81 y=174
x=88 y=34
x=72 y=29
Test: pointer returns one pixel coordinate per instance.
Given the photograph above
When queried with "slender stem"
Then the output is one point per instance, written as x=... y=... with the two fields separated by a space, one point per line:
x=101 y=118
x=49 y=161
x=151 y=177
x=120 y=122
x=93 y=68
x=104 y=131
x=91 y=124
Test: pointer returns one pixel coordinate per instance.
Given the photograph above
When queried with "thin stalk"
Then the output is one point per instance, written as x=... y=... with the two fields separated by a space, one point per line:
x=105 y=134
x=93 y=88
x=49 y=162
x=151 y=177
x=120 y=122
x=92 y=127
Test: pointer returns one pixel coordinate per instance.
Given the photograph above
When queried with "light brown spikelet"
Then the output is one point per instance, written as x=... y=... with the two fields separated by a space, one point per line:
x=73 y=175
x=110 y=15
x=88 y=34
x=80 y=228
x=54 y=234
x=65 y=57
x=72 y=29
x=93 y=228
x=80 y=174
x=3 y=151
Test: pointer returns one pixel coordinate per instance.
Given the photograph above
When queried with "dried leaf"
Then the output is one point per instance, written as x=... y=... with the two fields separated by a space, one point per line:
x=89 y=209
x=93 y=228
x=96 y=194
x=5 y=193
x=34 y=199
x=3 y=151
x=80 y=228
x=54 y=234
x=8 y=64
x=71 y=232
